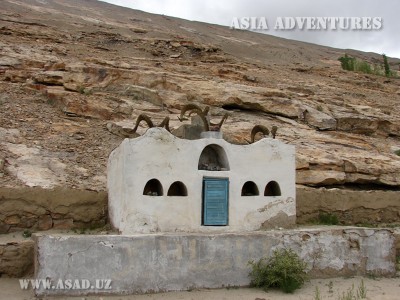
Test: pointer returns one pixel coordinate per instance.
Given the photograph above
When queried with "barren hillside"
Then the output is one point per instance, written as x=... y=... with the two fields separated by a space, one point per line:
x=73 y=72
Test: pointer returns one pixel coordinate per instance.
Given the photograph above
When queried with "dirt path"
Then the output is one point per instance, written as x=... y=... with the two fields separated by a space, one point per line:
x=377 y=289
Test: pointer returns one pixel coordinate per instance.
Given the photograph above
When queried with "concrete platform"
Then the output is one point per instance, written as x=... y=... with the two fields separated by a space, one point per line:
x=169 y=262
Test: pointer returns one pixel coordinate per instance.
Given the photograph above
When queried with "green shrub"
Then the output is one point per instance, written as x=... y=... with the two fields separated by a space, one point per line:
x=81 y=89
x=378 y=70
x=347 y=62
x=84 y=91
x=362 y=66
x=351 y=294
x=362 y=290
x=352 y=64
x=388 y=73
x=317 y=295
x=27 y=233
x=284 y=270
x=328 y=219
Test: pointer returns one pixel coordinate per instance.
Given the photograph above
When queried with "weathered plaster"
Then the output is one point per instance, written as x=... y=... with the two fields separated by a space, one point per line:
x=166 y=262
x=350 y=206
x=158 y=154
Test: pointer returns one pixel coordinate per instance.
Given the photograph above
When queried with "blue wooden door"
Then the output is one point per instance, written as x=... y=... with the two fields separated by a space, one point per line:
x=215 y=201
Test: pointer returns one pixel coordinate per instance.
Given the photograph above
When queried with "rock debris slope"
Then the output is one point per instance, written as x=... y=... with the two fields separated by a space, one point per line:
x=73 y=73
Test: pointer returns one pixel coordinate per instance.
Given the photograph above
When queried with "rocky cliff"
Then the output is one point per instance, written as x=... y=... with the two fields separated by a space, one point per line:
x=73 y=73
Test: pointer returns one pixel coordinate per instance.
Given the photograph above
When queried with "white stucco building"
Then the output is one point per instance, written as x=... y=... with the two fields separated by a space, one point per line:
x=161 y=183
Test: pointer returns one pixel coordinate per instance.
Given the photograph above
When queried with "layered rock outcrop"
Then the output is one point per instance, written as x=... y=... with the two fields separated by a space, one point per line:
x=71 y=78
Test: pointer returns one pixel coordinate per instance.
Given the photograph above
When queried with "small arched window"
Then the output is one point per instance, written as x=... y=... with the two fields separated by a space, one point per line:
x=213 y=158
x=177 y=189
x=272 y=189
x=250 y=189
x=153 y=187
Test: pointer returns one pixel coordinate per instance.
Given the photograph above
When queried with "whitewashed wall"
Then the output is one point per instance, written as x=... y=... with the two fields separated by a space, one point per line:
x=158 y=154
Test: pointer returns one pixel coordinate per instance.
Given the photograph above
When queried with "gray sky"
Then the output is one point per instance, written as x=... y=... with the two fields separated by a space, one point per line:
x=384 y=40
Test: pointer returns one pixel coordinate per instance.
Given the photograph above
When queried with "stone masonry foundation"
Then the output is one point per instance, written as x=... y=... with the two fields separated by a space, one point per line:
x=168 y=262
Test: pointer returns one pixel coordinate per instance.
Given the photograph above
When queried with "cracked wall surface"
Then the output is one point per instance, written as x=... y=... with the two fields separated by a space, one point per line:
x=166 y=262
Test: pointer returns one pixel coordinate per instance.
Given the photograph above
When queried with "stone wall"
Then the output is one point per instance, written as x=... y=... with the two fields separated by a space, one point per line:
x=88 y=208
x=16 y=257
x=63 y=208
x=167 y=262
x=42 y=209
x=350 y=206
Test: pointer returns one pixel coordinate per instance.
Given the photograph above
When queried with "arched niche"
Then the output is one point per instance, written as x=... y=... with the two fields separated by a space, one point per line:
x=177 y=188
x=153 y=187
x=272 y=189
x=213 y=158
x=250 y=189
